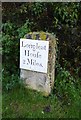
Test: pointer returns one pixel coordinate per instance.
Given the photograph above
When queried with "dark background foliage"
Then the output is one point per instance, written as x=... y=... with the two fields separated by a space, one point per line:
x=62 y=19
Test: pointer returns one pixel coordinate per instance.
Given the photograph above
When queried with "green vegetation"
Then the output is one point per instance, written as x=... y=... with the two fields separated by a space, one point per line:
x=30 y=104
x=61 y=19
x=23 y=103
x=63 y=102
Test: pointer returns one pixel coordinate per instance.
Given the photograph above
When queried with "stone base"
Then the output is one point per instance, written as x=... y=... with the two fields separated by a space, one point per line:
x=37 y=81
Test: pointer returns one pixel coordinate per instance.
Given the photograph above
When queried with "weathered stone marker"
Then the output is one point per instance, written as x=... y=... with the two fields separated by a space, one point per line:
x=37 y=61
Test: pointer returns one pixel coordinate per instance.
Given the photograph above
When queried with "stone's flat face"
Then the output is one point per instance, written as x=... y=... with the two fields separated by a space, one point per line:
x=34 y=55
x=41 y=81
x=36 y=81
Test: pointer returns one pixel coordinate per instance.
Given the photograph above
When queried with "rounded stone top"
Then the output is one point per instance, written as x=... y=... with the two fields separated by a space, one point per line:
x=39 y=36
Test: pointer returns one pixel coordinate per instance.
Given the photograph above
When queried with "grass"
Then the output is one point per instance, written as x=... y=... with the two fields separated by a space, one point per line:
x=20 y=102
x=25 y=103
